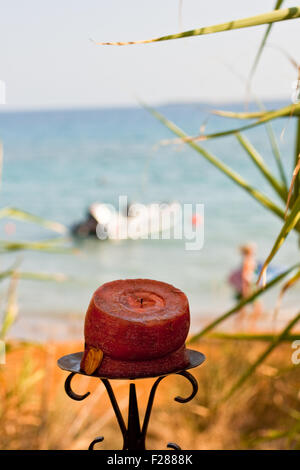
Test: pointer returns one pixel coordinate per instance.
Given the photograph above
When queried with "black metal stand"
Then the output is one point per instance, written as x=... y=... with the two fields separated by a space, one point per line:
x=134 y=436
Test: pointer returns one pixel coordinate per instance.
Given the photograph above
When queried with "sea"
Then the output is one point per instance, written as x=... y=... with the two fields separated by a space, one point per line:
x=58 y=162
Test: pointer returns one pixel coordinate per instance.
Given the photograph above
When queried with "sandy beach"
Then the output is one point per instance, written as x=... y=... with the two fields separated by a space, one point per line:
x=36 y=413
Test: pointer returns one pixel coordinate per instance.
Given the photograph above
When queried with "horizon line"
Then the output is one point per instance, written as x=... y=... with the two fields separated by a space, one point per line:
x=67 y=108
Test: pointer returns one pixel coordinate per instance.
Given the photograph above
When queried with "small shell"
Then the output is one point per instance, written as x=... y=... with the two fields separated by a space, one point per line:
x=91 y=360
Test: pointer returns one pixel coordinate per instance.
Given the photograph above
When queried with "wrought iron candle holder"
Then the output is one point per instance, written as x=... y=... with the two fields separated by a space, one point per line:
x=134 y=435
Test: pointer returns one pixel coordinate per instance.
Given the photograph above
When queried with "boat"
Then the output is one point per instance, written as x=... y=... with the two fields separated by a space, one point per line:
x=138 y=221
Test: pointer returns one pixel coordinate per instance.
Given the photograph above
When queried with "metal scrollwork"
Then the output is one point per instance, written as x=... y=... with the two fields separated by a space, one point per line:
x=134 y=434
x=69 y=390
x=194 y=383
x=95 y=441
x=174 y=446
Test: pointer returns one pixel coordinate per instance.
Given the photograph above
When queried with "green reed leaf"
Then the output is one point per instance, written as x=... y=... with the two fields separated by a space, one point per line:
x=234 y=176
x=276 y=153
x=270 y=133
x=262 y=357
x=291 y=221
x=248 y=300
x=11 y=310
x=260 y=164
x=264 y=18
x=14 y=213
x=35 y=276
x=263 y=115
x=286 y=286
x=263 y=118
x=296 y=159
x=253 y=337
x=263 y=42
x=52 y=246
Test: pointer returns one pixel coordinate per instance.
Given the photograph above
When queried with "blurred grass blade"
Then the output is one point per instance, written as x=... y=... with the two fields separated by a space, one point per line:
x=270 y=133
x=32 y=276
x=1 y=162
x=263 y=356
x=18 y=214
x=276 y=154
x=56 y=277
x=260 y=164
x=256 y=194
x=264 y=18
x=253 y=337
x=11 y=310
x=263 y=118
x=51 y=246
x=5 y=274
x=9 y=272
x=290 y=282
x=291 y=221
x=240 y=115
x=297 y=153
x=274 y=148
x=263 y=42
x=263 y=115
x=294 y=179
x=287 y=285
x=242 y=303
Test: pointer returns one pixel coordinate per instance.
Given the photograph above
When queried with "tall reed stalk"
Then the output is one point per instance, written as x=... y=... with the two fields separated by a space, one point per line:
x=289 y=209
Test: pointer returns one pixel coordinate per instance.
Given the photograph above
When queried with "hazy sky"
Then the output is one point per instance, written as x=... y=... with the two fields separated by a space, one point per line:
x=48 y=60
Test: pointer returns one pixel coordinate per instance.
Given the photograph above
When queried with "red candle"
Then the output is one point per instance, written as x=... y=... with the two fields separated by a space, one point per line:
x=134 y=328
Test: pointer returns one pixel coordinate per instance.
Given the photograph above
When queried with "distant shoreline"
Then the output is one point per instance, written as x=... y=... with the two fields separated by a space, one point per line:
x=276 y=102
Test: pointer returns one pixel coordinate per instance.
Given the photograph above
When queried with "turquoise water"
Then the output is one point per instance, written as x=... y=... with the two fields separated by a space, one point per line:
x=56 y=163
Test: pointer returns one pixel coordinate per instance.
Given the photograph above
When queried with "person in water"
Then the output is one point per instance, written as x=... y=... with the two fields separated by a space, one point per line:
x=243 y=281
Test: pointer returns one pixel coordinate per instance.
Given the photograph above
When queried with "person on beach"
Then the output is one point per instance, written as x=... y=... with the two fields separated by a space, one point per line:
x=243 y=281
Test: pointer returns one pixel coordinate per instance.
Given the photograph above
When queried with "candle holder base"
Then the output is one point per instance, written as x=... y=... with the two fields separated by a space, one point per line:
x=134 y=435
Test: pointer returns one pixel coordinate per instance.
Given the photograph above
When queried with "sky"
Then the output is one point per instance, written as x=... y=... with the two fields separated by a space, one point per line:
x=49 y=61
